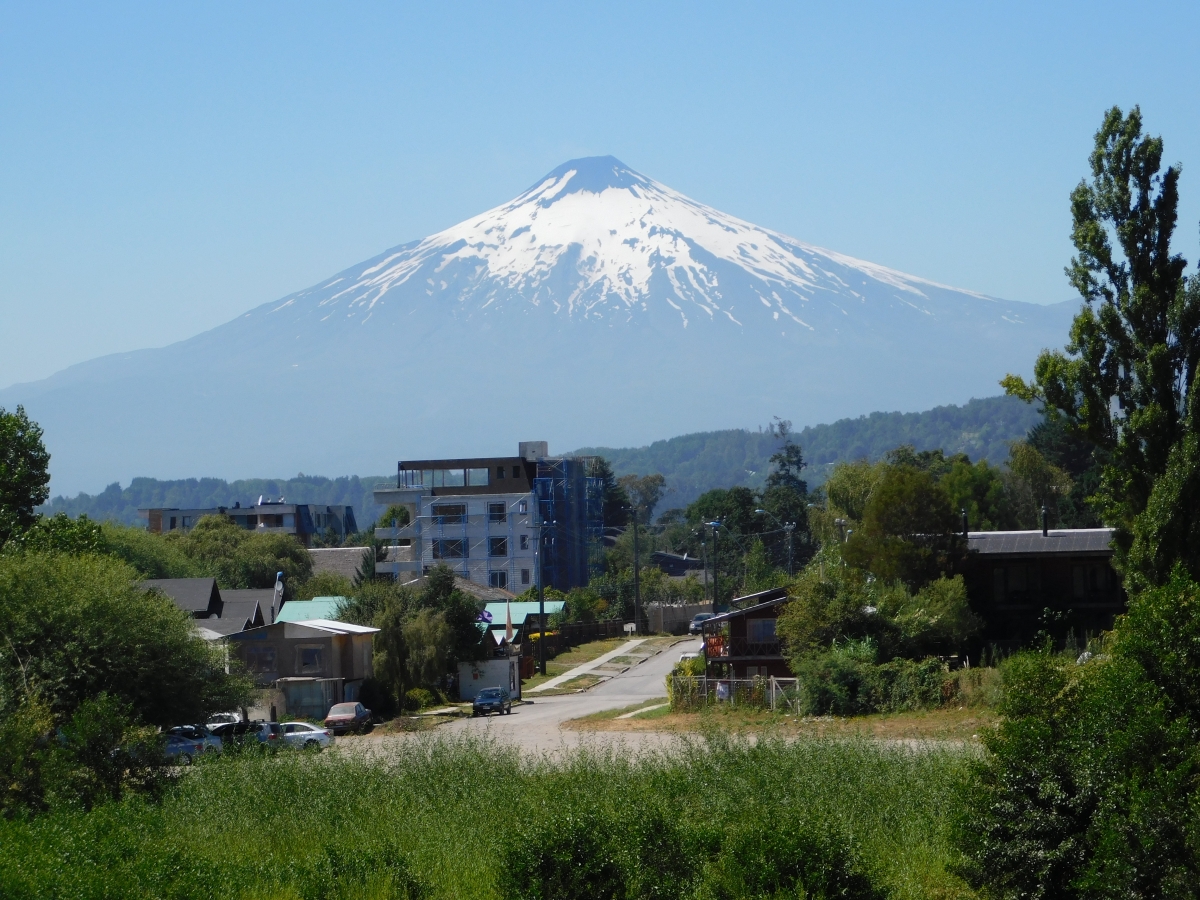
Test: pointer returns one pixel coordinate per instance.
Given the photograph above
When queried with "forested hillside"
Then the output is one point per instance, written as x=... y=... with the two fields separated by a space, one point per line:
x=691 y=463
x=121 y=504
x=695 y=463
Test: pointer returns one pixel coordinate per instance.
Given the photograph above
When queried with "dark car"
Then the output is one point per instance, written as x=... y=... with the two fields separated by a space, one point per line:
x=492 y=700
x=344 y=717
x=269 y=734
x=698 y=621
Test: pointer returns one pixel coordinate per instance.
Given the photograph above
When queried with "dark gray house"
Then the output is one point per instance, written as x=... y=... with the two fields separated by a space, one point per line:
x=217 y=613
x=1057 y=581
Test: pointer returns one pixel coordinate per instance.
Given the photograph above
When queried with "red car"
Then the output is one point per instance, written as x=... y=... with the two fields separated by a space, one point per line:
x=345 y=717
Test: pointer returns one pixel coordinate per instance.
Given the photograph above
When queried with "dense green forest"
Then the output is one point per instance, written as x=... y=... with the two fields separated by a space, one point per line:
x=695 y=463
x=119 y=504
x=691 y=463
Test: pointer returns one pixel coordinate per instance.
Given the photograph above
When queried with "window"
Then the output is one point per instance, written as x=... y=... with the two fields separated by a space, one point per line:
x=450 y=513
x=456 y=549
x=308 y=659
x=477 y=477
x=172 y=527
x=522 y=509
x=499 y=472
x=497 y=512
x=760 y=631
x=497 y=546
x=516 y=471
x=524 y=576
x=524 y=542
x=443 y=477
x=260 y=659
x=498 y=579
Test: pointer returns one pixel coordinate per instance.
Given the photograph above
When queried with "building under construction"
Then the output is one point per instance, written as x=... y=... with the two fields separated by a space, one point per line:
x=498 y=521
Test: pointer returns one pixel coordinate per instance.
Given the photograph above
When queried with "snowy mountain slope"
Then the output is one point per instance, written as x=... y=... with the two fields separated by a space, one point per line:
x=598 y=307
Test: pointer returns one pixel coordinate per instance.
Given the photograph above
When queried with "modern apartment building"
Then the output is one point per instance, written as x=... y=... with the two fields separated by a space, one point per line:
x=486 y=518
x=304 y=520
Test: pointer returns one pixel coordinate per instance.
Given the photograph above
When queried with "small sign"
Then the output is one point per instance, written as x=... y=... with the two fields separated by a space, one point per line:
x=630 y=627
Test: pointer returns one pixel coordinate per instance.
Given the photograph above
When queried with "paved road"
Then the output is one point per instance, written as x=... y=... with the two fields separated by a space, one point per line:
x=536 y=726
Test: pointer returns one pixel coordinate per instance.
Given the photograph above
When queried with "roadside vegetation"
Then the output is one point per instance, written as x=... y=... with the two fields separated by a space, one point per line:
x=446 y=819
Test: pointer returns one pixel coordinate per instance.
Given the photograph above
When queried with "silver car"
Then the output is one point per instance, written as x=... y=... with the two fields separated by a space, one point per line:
x=306 y=736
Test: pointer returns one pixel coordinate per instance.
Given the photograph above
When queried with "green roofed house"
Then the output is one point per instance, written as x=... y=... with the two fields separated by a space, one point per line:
x=307 y=610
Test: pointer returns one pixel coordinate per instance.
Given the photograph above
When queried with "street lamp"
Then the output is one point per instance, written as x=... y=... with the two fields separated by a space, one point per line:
x=789 y=528
x=637 y=584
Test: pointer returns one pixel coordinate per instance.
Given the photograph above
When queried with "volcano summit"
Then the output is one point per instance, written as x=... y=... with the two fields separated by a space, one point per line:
x=598 y=307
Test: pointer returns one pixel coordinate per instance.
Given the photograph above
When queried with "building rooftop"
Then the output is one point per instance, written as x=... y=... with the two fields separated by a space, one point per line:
x=1059 y=540
x=194 y=595
x=345 y=561
x=306 y=610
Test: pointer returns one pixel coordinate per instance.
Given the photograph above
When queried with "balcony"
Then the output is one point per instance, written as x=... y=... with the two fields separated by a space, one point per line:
x=719 y=646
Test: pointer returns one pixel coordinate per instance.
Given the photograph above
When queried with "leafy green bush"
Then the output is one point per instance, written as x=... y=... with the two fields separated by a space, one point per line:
x=418 y=698
x=78 y=626
x=847 y=681
x=1089 y=788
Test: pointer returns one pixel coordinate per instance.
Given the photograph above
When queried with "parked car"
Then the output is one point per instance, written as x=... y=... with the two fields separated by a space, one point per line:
x=209 y=742
x=223 y=718
x=306 y=736
x=241 y=733
x=181 y=750
x=343 y=717
x=698 y=621
x=689 y=654
x=492 y=700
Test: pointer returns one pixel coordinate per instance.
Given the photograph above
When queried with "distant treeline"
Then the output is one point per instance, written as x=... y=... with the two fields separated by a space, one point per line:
x=695 y=463
x=691 y=464
x=122 y=504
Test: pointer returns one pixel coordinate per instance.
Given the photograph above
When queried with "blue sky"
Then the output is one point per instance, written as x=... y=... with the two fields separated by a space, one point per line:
x=164 y=168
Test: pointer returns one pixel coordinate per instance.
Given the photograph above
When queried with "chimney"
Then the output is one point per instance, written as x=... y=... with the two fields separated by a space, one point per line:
x=1045 y=522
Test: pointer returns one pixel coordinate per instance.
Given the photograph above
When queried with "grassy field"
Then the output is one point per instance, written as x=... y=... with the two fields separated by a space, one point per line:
x=716 y=818
x=947 y=723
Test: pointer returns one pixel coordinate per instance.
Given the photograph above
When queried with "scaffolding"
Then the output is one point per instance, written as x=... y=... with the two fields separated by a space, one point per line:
x=570 y=503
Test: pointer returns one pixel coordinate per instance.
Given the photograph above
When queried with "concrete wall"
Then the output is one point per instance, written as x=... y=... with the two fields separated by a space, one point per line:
x=474 y=677
x=673 y=619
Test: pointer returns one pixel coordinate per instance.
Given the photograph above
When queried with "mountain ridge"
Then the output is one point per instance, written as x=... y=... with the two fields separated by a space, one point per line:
x=692 y=463
x=623 y=310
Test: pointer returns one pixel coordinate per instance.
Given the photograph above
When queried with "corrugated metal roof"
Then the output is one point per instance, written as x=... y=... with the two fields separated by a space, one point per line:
x=520 y=611
x=317 y=608
x=1031 y=543
x=336 y=627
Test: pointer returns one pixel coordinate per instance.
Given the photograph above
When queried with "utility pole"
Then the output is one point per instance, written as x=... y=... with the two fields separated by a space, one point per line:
x=541 y=601
x=637 y=583
x=789 y=528
x=716 y=562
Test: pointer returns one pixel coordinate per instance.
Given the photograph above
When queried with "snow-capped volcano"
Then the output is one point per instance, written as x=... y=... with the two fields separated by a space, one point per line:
x=620 y=243
x=598 y=307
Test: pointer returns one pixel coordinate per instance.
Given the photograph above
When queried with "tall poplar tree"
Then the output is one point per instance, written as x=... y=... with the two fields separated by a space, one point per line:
x=1127 y=381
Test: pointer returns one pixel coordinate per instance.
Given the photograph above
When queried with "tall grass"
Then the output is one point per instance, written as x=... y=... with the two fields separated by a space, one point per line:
x=463 y=818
